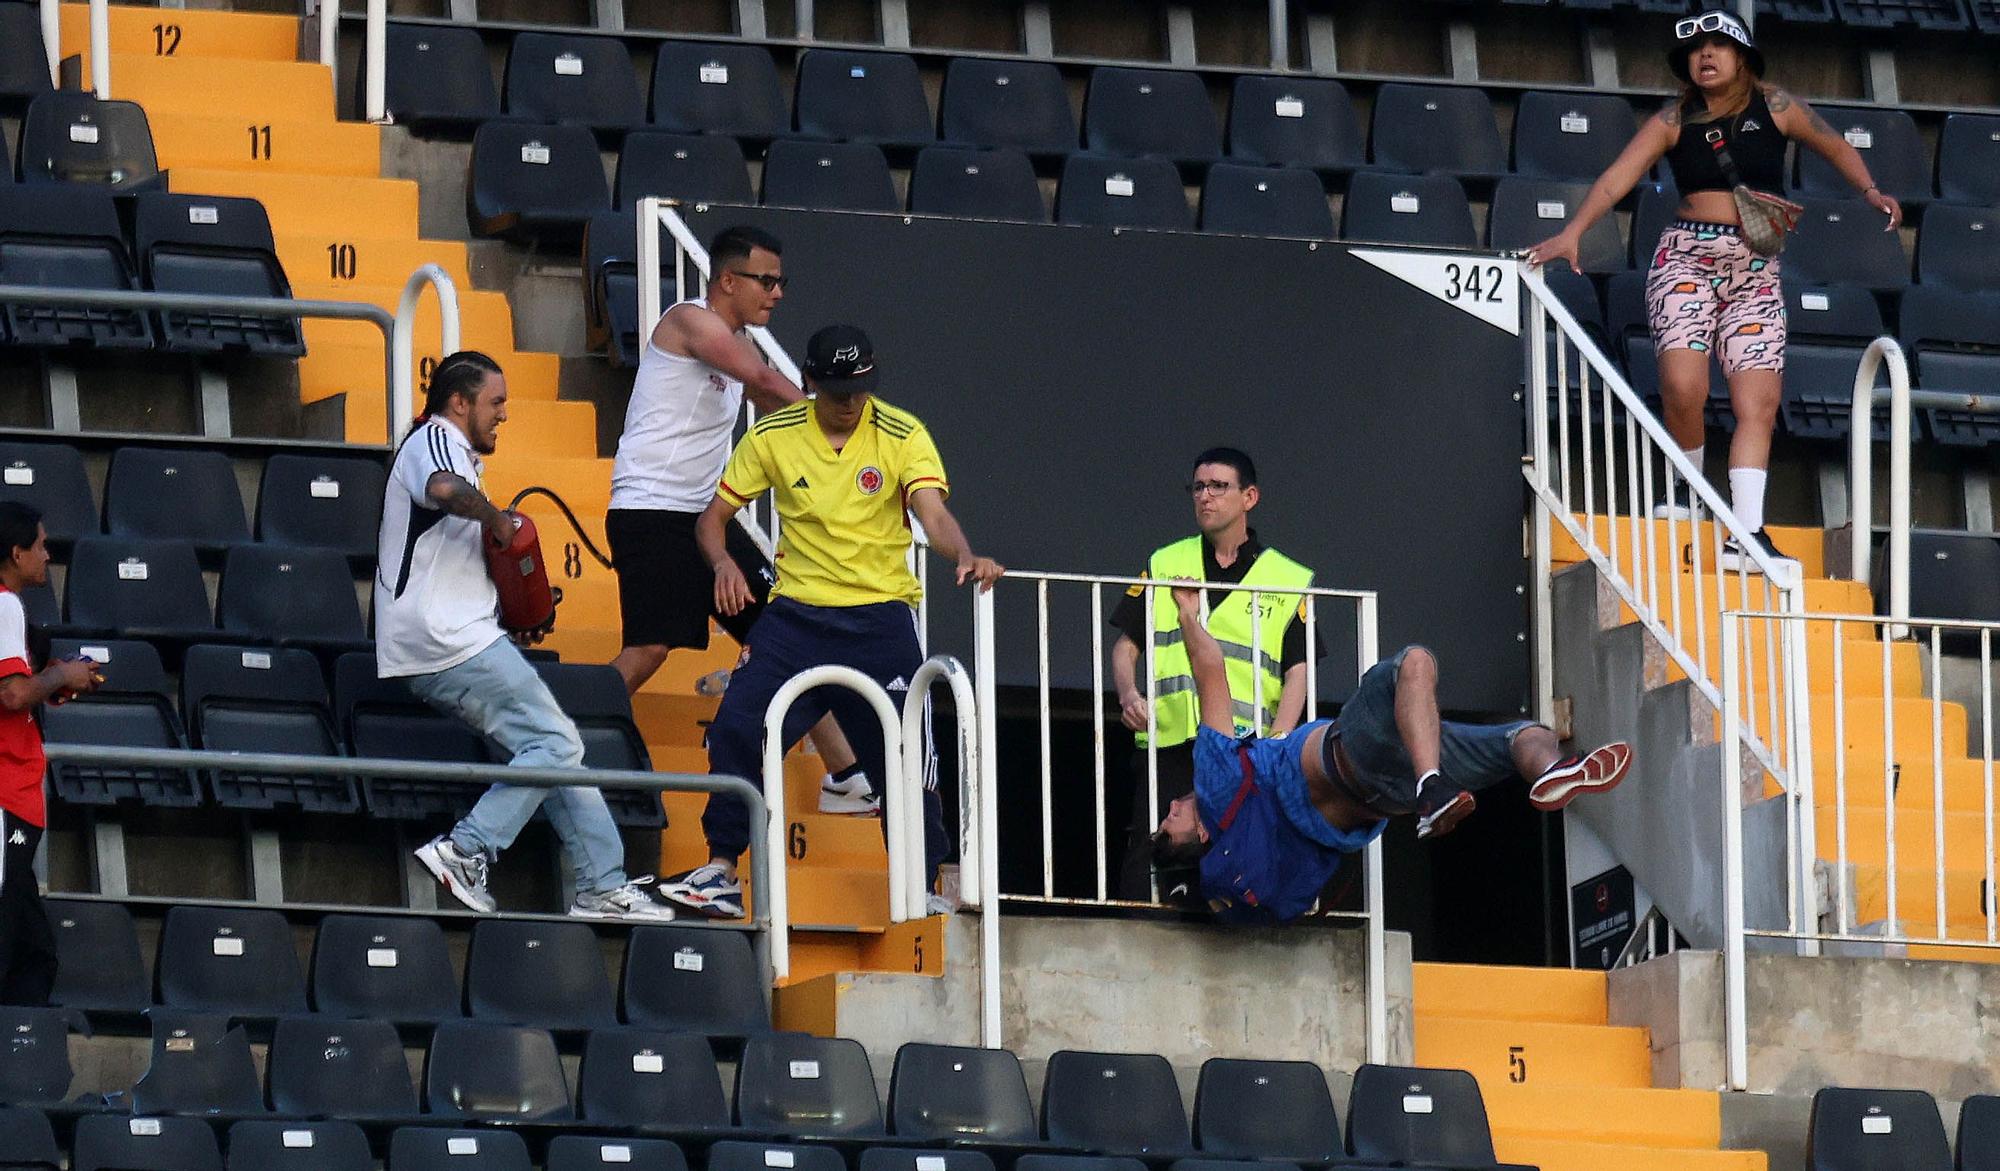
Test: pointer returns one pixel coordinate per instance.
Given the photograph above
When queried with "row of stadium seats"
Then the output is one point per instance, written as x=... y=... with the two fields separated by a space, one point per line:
x=71 y=235
x=878 y=98
x=192 y=494
x=71 y=137
x=395 y=969
x=1931 y=15
x=275 y=699
x=1864 y=1129
x=793 y=1086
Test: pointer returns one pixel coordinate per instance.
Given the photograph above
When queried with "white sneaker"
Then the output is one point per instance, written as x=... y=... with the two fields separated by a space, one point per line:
x=464 y=875
x=624 y=902
x=853 y=795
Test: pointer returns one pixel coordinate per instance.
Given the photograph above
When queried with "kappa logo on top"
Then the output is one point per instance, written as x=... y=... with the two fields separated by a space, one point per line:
x=869 y=480
x=1751 y=124
x=17 y=838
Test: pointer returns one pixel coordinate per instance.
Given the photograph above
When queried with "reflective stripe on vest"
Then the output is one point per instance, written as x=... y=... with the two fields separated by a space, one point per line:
x=1176 y=712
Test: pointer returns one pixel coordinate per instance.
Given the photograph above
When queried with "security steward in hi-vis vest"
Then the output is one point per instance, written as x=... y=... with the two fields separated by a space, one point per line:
x=1229 y=557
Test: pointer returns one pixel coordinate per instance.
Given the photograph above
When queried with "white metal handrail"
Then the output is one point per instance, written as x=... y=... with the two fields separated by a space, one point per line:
x=1578 y=467
x=1861 y=505
x=1827 y=907
x=99 y=47
x=402 y=399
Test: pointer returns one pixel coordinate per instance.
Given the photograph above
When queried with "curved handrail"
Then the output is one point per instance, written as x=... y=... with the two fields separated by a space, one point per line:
x=1860 y=474
x=775 y=899
x=329 y=33
x=52 y=38
x=908 y=806
x=402 y=393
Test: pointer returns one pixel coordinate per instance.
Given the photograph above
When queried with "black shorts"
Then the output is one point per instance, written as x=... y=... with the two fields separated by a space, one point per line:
x=666 y=591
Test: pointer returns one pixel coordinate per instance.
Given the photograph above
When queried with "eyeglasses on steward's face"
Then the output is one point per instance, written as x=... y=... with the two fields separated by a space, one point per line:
x=1209 y=487
x=1707 y=22
x=770 y=281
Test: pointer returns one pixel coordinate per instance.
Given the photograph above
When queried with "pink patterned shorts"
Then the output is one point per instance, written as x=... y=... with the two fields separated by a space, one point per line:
x=1708 y=292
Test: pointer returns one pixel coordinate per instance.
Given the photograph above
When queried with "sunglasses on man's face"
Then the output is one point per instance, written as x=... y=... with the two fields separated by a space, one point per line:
x=770 y=281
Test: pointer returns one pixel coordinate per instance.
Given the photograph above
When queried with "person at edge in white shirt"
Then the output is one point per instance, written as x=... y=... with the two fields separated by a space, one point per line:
x=695 y=370
x=437 y=627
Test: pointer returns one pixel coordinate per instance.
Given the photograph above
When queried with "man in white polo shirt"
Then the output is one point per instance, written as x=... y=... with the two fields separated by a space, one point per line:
x=437 y=627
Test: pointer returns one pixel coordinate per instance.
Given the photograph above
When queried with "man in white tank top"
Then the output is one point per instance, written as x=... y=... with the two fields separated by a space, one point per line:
x=694 y=372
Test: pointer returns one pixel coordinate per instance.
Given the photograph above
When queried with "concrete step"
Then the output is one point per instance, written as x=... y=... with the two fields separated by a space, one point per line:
x=1917 y=897
x=1680 y=1119
x=1552 y=995
x=1498 y=1052
x=1915 y=787
x=264 y=90
x=485 y=319
x=324 y=256
x=1669 y=538
x=183 y=33
x=1965 y=840
x=1558 y=1155
x=313 y=146
x=346 y=204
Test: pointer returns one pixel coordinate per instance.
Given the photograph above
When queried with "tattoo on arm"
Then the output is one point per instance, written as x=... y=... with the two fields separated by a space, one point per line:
x=456 y=495
x=1671 y=113
x=1778 y=100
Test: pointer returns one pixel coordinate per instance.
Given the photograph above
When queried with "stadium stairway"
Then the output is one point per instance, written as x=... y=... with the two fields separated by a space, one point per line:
x=1565 y=1090
x=234 y=112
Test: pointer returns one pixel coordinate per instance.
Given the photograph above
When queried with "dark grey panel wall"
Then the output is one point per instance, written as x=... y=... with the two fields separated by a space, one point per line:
x=1070 y=375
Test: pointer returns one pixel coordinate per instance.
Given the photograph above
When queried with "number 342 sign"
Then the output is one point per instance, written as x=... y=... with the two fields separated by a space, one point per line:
x=1484 y=286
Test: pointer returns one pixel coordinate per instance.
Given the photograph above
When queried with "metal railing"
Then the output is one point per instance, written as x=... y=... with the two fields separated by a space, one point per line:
x=989 y=668
x=282 y=764
x=1890 y=880
x=99 y=47
x=398 y=330
x=1596 y=471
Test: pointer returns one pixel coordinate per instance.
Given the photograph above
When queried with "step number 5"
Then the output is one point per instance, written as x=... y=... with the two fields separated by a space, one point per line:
x=1517 y=1064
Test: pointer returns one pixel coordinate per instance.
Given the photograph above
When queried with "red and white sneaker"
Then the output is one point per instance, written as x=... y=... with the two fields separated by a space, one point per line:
x=1596 y=771
x=1445 y=818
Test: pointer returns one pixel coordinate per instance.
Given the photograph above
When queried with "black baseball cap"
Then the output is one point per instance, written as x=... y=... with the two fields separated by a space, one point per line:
x=841 y=360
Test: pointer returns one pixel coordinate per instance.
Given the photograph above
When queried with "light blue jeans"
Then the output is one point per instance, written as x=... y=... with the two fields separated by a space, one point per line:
x=498 y=692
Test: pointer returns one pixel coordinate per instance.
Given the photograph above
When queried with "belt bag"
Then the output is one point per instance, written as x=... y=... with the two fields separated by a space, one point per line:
x=1765 y=218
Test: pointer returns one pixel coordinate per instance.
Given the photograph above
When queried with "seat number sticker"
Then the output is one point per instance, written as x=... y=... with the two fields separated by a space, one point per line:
x=1118 y=185
x=805 y=1070
x=461 y=1146
x=1859 y=139
x=1403 y=203
x=535 y=154
x=1878 y=1124
x=228 y=946
x=132 y=569
x=382 y=957
x=204 y=215
x=1417 y=1104
x=714 y=73
x=614 y=1153
x=1574 y=123
x=256 y=660
x=324 y=489
x=777 y=1158
x=648 y=1063
x=298 y=1139
x=569 y=65
x=1813 y=301
x=688 y=959
x=82 y=132
x=18 y=476
x=1550 y=209
x=1288 y=107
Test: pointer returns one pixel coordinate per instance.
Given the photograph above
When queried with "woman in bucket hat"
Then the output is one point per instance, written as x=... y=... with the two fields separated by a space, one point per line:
x=1709 y=290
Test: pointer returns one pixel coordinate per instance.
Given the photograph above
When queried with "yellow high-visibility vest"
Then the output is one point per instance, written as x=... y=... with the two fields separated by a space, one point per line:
x=1251 y=643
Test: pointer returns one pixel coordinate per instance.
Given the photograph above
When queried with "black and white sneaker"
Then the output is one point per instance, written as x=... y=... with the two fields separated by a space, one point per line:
x=1678 y=504
x=1734 y=558
x=854 y=796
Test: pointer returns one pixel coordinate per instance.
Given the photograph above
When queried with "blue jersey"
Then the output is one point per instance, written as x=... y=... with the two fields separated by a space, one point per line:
x=1271 y=852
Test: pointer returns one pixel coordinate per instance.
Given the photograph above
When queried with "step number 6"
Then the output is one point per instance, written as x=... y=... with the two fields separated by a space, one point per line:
x=1517 y=1064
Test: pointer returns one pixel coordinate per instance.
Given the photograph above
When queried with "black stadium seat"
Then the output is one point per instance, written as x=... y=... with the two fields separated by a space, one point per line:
x=321 y=1067
x=133 y=709
x=1399 y=1115
x=1654 y=206
x=199 y=1065
x=71 y=137
x=1265 y=1110
x=714 y=88
x=438 y=81
x=1938 y=15
x=50 y=478
x=235 y=699
x=1862 y=1130
x=262 y=1144
x=593 y=696
x=1114 y=1103
x=1527 y=211
x=24 y=61
x=1978 y=1141
x=663 y=1083
x=1819 y=392
x=1972 y=373
x=1103 y=191
x=1077 y=1163
x=1968 y=162
x=1959 y=247
x=983 y=184
x=99 y=966
x=495 y=1073
x=1841 y=241
x=431 y=1148
x=168 y=493
x=907 y=1159
x=1934 y=315
x=1425 y=128
x=34 y=1064
x=748 y=1156
x=807 y=1087
x=852 y=96
x=691 y=980
x=1154 y=113
x=1390 y=208
x=392 y=967
x=331 y=501
x=380 y=717
x=234 y=960
x=575 y=1152
x=698 y=168
x=119 y=1142
x=1295 y=122
x=1844 y=312
x=544 y=975
x=28 y=1139
x=1959 y=572
x=1265 y=201
x=611 y=286
x=1199 y=1164
x=216 y=246
x=575 y=80
x=829 y=176
x=290 y=594
x=534 y=180
x=951 y=1093
x=68 y=236
x=1570 y=137
x=1018 y=104
x=1887 y=141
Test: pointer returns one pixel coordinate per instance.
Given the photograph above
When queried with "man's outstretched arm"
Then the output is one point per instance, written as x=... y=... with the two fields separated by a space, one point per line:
x=1205 y=663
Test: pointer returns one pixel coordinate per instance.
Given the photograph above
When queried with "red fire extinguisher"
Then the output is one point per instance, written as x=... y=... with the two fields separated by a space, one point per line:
x=519 y=572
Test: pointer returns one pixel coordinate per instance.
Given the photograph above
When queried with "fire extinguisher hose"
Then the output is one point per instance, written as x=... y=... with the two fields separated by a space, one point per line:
x=568 y=514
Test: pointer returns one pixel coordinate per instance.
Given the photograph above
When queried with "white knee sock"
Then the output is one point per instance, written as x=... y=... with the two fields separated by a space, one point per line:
x=1746 y=496
x=1694 y=455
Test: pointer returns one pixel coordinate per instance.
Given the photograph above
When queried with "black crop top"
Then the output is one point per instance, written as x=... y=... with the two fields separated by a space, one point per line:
x=1754 y=140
